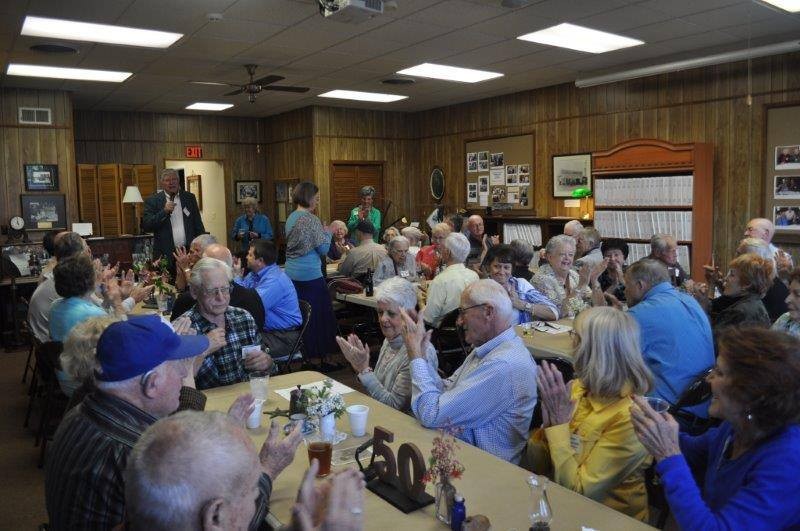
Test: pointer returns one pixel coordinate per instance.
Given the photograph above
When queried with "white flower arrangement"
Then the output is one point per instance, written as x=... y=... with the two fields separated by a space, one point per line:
x=321 y=401
x=575 y=305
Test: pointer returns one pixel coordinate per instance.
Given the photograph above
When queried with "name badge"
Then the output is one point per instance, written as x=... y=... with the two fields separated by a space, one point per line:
x=404 y=273
x=186 y=211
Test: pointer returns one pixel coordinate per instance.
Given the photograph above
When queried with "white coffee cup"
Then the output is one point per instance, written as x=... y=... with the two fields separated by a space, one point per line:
x=358 y=419
x=254 y=420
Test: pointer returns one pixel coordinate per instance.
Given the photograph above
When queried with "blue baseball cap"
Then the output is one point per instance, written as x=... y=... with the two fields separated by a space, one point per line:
x=131 y=348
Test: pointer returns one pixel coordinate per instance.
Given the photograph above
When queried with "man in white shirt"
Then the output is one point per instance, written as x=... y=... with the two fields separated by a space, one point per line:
x=172 y=215
x=763 y=229
x=444 y=291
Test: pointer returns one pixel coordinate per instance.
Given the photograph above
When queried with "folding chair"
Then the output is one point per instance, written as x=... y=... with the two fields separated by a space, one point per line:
x=283 y=363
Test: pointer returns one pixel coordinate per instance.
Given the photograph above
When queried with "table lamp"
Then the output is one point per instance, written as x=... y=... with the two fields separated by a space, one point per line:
x=133 y=195
x=581 y=194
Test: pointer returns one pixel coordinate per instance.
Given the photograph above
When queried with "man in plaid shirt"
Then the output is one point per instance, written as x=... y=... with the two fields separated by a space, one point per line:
x=210 y=285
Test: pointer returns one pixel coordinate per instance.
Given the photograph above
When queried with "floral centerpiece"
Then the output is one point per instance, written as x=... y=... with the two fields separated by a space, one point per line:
x=442 y=467
x=323 y=403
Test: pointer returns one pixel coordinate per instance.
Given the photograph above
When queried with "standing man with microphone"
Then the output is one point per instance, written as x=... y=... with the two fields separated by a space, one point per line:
x=172 y=215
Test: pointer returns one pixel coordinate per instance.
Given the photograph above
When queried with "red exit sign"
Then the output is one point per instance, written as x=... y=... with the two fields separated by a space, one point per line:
x=194 y=152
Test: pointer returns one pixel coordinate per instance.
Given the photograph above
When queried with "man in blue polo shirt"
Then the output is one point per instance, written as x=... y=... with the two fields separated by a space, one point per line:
x=282 y=325
x=676 y=338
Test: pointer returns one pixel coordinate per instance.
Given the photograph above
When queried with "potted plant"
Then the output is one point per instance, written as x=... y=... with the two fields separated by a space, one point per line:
x=443 y=467
x=323 y=403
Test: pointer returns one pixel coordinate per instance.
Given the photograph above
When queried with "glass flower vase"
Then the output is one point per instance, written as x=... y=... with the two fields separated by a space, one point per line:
x=445 y=494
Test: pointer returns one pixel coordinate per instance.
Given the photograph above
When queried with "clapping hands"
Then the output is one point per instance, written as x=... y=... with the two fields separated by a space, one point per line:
x=555 y=396
x=354 y=351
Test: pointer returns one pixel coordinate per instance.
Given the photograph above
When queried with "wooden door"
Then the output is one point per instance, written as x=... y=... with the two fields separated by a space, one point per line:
x=145 y=176
x=109 y=197
x=346 y=182
x=127 y=210
x=88 y=211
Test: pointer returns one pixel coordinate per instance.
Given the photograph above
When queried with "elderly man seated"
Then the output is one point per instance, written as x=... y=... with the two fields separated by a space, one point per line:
x=479 y=241
x=210 y=464
x=445 y=289
x=676 y=338
x=398 y=263
x=184 y=261
x=664 y=248
x=587 y=247
x=277 y=293
x=492 y=395
x=141 y=366
x=210 y=284
x=241 y=297
x=366 y=256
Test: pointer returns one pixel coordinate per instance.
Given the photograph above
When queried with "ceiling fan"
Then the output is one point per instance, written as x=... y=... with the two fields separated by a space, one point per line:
x=254 y=86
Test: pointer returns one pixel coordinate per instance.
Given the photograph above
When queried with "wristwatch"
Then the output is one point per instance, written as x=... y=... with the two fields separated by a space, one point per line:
x=529 y=307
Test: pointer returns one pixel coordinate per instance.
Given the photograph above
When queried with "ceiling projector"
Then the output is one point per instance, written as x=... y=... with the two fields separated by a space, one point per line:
x=350 y=11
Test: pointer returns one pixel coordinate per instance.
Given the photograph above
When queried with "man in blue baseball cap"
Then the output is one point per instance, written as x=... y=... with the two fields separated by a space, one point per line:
x=141 y=367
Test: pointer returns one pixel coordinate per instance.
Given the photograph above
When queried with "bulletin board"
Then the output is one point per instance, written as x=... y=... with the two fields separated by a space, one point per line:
x=782 y=170
x=499 y=172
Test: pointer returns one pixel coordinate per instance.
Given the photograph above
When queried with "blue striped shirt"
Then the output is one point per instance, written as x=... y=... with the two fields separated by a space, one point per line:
x=527 y=293
x=490 y=397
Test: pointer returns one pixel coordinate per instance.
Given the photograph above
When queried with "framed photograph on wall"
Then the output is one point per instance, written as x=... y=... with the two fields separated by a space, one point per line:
x=571 y=172
x=281 y=192
x=194 y=186
x=787 y=187
x=44 y=211
x=245 y=189
x=41 y=177
x=786 y=217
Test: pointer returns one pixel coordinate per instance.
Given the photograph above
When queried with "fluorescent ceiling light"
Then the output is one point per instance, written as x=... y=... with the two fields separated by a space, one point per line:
x=676 y=66
x=362 y=96
x=87 y=31
x=449 y=73
x=200 y=106
x=579 y=38
x=792 y=6
x=81 y=74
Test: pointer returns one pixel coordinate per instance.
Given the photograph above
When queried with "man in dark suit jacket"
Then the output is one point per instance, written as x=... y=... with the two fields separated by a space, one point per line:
x=172 y=216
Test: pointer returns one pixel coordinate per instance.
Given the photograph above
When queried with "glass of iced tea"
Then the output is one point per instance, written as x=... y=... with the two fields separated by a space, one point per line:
x=321 y=451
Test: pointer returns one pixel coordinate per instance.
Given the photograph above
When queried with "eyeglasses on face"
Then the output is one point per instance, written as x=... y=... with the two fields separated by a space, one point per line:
x=462 y=311
x=213 y=292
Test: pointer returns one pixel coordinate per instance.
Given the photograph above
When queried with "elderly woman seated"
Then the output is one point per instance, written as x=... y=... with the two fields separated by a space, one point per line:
x=340 y=245
x=429 y=256
x=749 y=276
x=528 y=303
x=790 y=321
x=414 y=236
x=397 y=263
x=749 y=463
x=569 y=290
x=587 y=442
x=390 y=381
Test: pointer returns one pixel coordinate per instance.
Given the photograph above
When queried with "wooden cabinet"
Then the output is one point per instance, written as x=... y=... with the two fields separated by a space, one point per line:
x=102 y=188
x=650 y=186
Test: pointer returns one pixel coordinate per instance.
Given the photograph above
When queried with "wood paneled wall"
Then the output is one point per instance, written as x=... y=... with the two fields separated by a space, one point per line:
x=25 y=144
x=700 y=105
x=149 y=138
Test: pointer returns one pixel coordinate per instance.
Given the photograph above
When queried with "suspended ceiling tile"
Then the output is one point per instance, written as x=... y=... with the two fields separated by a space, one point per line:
x=201 y=49
x=458 y=14
x=268 y=53
x=281 y=12
x=623 y=19
x=516 y=23
x=571 y=10
x=493 y=54
x=409 y=32
x=368 y=45
x=700 y=42
x=105 y=12
x=733 y=15
x=239 y=30
x=664 y=31
x=681 y=8
x=766 y=28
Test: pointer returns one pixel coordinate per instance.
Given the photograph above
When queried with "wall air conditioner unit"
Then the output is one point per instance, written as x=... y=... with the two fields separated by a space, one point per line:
x=351 y=11
x=35 y=116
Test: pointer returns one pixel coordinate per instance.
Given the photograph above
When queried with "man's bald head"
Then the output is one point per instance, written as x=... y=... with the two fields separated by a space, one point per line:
x=191 y=467
x=475 y=226
x=220 y=252
x=760 y=228
x=572 y=227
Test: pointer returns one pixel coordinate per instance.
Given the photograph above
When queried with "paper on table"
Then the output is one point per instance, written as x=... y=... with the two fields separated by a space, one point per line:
x=337 y=388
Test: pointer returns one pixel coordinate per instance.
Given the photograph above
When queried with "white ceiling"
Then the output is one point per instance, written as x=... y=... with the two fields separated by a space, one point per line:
x=291 y=38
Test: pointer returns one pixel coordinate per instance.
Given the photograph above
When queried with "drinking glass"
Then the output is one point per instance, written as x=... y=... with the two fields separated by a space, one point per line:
x=259 y=384
x=321 y=451
x=659 y=405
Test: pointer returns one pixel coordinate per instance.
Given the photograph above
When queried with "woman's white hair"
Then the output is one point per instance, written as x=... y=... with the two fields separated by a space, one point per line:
x=339 y=224
x=250 y=201
x=487 y=291
x=399 y=291
x=556 y=242
x=208 y=264
x=398 y=239
x=79 y=357
x=413 y=234
x=458 y=245
x=441 y=227
x=608 y=359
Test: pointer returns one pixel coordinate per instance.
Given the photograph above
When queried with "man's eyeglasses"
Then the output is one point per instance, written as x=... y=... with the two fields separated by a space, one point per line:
x=462 y=311
x=213 y=292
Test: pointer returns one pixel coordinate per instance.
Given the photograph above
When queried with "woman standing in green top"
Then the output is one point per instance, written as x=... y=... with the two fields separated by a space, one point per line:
x=366 y=211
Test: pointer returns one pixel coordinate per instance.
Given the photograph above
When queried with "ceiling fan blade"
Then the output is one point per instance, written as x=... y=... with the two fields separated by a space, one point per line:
x=215 y=83
x=266 y=80
x=235 y=92
x=281 y=88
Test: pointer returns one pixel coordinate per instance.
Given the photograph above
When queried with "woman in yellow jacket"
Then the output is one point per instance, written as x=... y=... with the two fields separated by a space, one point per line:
x=586 y=442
